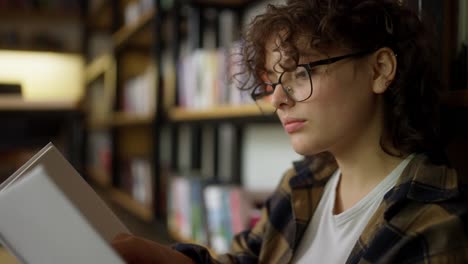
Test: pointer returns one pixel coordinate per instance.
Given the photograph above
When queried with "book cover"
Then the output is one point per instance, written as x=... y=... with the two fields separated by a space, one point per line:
x=51 y=215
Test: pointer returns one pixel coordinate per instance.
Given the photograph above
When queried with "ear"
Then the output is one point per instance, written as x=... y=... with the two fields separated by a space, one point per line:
x=384 y=67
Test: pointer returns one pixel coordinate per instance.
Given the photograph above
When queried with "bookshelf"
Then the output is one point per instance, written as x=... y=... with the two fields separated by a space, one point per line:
x=147 y=50
x=128 y=202
x=207 y=122
x=179 y=114
x=127 y=119
x=127 y=33
x=21 y=105
x=126 y=73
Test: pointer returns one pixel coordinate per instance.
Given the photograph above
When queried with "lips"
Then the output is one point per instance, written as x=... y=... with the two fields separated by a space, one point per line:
x=293 y=125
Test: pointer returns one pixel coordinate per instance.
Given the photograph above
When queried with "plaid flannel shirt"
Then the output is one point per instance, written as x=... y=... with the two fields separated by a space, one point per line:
x=423 y=219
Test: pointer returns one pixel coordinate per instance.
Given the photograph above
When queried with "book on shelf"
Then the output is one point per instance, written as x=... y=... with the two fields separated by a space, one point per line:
x=99 y=156
x=227 y=213
x=211 y=77
x=186 y=209
x=136 y=180
x=139 y=93
x=207 y=214
x=51 y=215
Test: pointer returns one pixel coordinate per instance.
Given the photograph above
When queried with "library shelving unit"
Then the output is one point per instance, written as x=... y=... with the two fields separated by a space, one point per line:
x=204 y=122
x=126 y=139
x=29 y=124
x=122 y=96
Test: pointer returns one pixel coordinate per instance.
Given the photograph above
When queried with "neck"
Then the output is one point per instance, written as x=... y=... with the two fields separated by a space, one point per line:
x=363 y=165
x=360 y=174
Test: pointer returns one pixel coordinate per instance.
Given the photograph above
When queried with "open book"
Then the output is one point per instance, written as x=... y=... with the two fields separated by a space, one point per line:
x=49 y=214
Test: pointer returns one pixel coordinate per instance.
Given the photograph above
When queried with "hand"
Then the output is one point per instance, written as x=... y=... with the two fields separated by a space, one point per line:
x=136 y=250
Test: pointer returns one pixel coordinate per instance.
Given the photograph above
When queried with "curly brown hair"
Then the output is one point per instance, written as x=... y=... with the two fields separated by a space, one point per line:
x=411 y=102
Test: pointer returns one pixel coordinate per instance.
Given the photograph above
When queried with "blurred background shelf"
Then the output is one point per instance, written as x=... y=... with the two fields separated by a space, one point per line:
x=218 y=112
x=120 y=119
x=128 y=203
x=126 y=33
x=100 y=176
x=19 y=104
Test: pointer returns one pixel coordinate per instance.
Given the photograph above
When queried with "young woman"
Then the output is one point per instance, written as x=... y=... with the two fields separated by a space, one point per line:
x=354 y=86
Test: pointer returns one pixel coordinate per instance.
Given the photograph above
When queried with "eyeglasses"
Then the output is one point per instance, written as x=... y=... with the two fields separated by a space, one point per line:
x=297 y=84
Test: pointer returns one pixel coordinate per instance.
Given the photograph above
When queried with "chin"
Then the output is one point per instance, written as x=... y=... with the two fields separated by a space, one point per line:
x=306 y=147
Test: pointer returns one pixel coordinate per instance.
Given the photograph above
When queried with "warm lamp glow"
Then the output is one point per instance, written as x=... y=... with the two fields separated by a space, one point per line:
x=44 y=75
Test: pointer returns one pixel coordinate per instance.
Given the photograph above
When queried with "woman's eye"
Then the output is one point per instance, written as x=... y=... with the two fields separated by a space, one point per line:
x=301 y=75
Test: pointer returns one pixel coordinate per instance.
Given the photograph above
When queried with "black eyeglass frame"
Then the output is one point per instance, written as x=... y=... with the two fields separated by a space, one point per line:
x=308 y=67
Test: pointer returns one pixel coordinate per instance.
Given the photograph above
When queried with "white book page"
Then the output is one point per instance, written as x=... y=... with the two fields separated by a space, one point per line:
x=75 y=188
x=39 y=224
x=86 y=204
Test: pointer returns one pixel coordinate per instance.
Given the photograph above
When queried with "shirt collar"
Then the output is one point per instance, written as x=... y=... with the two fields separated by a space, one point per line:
x=313 y=171
x=421 y=180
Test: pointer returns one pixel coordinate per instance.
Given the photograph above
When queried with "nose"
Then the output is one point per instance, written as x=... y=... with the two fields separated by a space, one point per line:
x=280 y=98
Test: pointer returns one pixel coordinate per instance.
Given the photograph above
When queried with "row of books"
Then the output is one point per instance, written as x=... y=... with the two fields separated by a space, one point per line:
x=136 y=179
x=211 y=77
x=206 y=214
x=99 y=156
x=139 y=93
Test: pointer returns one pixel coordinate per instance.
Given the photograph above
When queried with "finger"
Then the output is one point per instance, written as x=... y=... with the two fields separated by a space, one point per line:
x=121 y=236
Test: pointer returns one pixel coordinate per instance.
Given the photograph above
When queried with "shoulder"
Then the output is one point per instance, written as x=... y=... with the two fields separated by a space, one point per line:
x=431 y=216
x=430 y=231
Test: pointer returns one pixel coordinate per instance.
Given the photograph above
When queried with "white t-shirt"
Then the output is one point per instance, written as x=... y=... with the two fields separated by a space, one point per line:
x=330 y=238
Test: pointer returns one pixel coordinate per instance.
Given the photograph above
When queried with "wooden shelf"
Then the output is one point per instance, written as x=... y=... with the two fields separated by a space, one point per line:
x=99 y=176
x=125 y=33
x=127 y=202
x=457 y=98
x=19 y=104
x=120 y=119
x=219 y=112
x=98 y=124
x=98 y=67
x=128 y=119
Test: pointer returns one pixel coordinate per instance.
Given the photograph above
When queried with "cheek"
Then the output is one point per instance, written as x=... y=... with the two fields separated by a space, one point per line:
x=328 y=97
x=340 y=106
